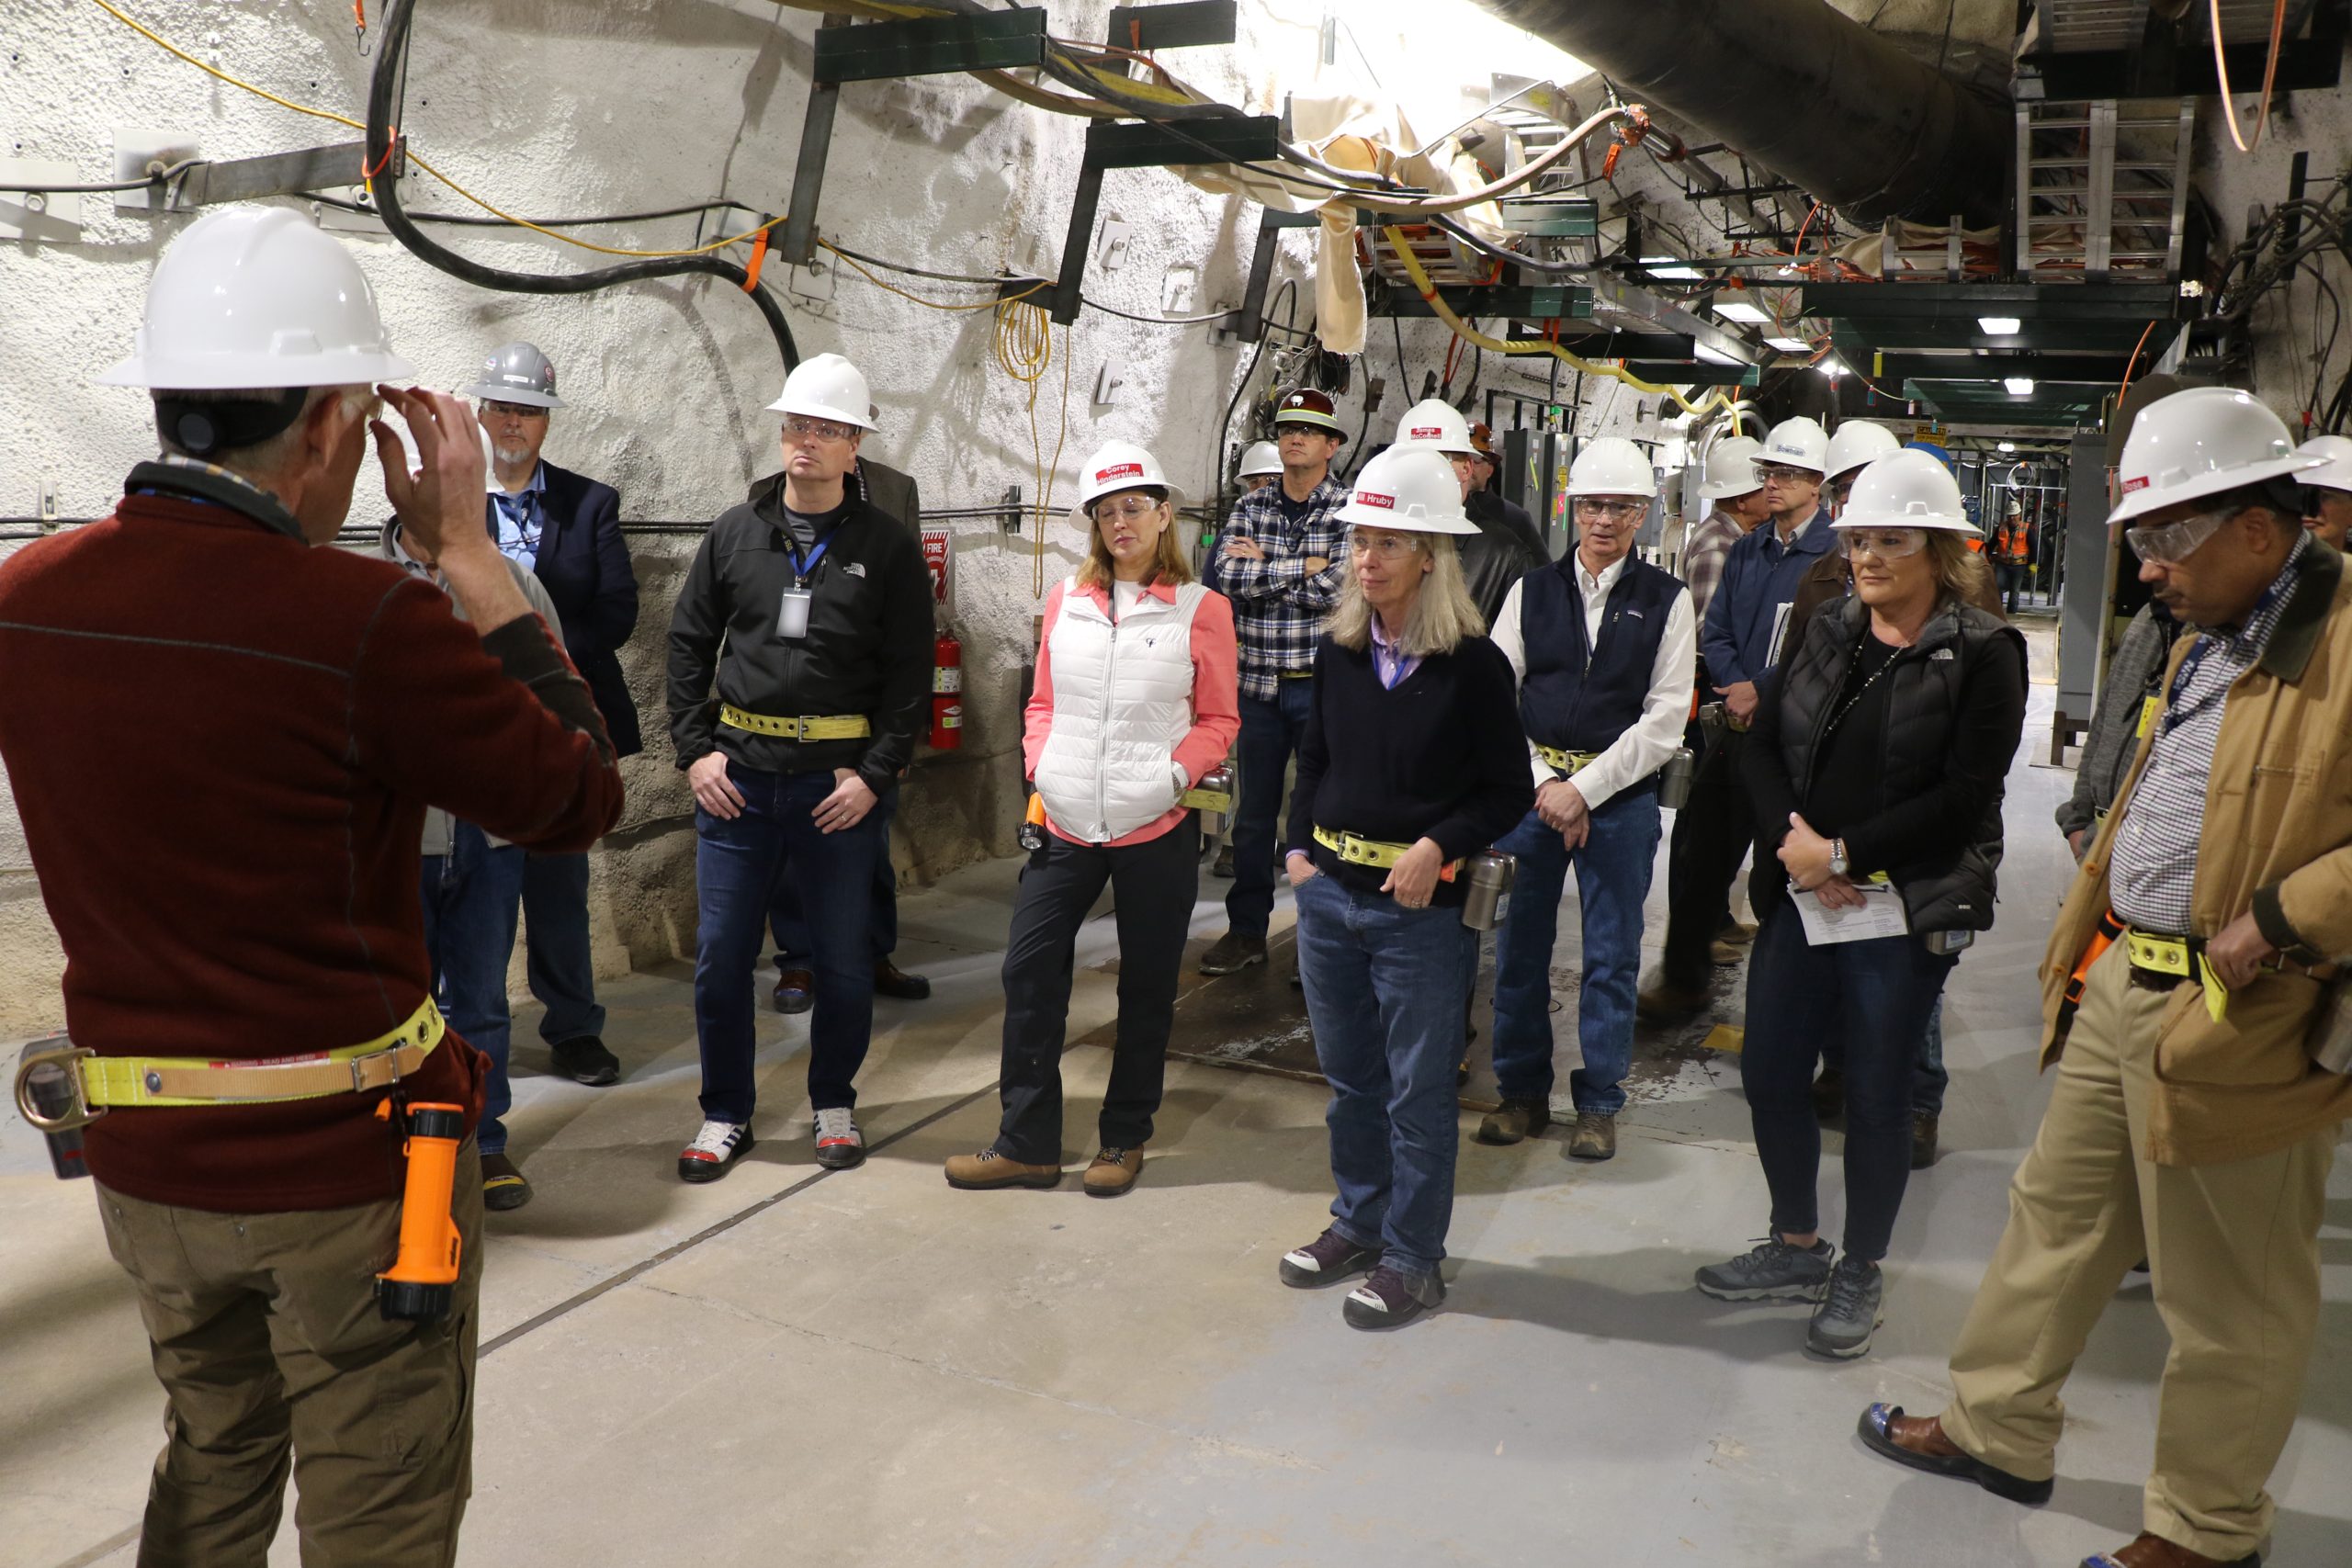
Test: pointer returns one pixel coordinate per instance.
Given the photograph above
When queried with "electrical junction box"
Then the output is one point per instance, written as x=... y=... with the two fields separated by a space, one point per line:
x=53 y=216
x=136 y=153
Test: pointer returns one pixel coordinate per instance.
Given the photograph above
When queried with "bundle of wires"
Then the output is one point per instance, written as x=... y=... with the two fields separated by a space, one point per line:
x=1025 y=349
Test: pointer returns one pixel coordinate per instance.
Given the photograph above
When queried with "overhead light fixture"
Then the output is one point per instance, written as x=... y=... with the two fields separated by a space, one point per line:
x=1833 y=367
x=1673 y=267
x=1740 y=311
x=1790 y=345
x=2008 y=446
x=2018 y=386
x=1712 y=355
x=2000 y=326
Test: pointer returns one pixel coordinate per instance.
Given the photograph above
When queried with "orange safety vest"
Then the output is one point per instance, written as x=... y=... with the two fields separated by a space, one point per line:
x=2011 y=542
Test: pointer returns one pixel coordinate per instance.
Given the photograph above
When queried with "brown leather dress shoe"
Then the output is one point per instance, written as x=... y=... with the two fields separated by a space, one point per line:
x=1920 y=1441
x=796 y=990
x=2156 y=1551
x=988 y=1171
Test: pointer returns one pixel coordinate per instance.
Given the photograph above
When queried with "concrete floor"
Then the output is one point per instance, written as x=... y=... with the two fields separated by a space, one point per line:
x=868 y=1368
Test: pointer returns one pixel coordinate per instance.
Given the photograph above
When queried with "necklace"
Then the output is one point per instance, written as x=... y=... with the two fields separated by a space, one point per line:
x=1863 y=690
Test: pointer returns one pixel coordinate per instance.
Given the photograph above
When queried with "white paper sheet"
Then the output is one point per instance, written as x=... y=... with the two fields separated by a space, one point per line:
x=1880 y=915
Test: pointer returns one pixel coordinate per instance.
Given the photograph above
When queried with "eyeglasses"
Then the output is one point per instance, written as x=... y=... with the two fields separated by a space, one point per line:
x=801 y=429
x=512 y=411
x=1598 y=510
x=1387 y=547
x=2168 y=544
x=1782 y=473
x=1135 y=506
x=1886 y=543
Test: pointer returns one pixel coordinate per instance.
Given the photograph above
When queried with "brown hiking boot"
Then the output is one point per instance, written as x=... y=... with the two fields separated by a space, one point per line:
x=988 y=1171
x=1923 y=1141
x=1234 y=951
x=1668 y=1003
x=1514 y=1120
x=1595 y=1137
x=1113 y=1172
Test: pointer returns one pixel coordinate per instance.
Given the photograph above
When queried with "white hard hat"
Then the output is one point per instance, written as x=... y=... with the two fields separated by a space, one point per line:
x=1731 y=468
x=2334 y=452
x=1411 y=489
x=1610 y=464
x=1117 y=466
x=1858 y=441
x=1801 y=443
x=1436 y=423
x=256 y=296
x=826 y=385
x=517 y=373
x=1261 y=457
x=1905 y=489
x=2199 y=443
x=489 y=484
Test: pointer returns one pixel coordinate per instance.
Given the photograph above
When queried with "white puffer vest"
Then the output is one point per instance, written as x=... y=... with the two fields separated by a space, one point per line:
x=1123 y=701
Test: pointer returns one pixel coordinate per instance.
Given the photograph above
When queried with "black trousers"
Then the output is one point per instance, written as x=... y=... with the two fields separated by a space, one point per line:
x=1711 y=832
x=1154 y=885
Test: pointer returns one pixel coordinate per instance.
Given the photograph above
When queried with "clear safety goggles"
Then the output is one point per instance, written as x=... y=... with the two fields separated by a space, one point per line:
x=1885 y=544
x=1594 y=509
x=2166 y=544
x=1131 y=507
x=804 y=429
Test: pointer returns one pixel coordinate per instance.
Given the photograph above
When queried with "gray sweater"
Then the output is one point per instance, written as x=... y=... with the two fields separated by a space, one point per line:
x=439 y=824
x=2114 y=737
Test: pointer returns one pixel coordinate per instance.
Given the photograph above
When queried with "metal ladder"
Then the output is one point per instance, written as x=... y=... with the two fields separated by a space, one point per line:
x=2102 y=188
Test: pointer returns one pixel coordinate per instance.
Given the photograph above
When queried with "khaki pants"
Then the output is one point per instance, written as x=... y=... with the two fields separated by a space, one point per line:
x=2235 y=1253
x=265 y=1332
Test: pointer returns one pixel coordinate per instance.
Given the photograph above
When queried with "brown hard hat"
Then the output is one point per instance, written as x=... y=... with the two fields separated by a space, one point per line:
x=1305 y=405
x=1482 y=438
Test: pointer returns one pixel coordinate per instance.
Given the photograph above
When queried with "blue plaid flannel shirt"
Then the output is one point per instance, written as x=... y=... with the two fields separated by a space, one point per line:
x=1278 y=605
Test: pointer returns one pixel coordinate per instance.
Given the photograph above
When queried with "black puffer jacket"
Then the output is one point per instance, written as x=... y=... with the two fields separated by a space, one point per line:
x=1945 y=847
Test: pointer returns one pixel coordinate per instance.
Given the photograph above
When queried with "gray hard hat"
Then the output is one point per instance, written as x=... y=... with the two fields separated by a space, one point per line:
x=517 y=373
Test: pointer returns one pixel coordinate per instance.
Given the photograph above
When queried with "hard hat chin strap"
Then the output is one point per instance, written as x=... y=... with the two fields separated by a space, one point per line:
x=205 y=426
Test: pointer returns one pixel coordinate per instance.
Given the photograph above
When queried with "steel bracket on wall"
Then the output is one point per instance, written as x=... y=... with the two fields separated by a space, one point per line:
x=922 y=46
x=1248 y=323
x=283 y=174
x=1121 y=144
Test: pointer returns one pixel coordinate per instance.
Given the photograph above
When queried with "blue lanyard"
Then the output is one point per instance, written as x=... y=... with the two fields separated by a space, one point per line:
x=801 y=569
x=2174 y=715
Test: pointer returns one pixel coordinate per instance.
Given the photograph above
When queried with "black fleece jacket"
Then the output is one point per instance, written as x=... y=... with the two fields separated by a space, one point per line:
x=867 y=650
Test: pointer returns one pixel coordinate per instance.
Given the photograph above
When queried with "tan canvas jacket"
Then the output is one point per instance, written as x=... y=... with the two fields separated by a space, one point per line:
x=2277 y=840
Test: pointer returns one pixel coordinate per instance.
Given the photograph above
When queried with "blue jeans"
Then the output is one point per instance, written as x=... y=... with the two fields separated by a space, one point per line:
x=1872 y=997
x=794 y=949
x=1387 y=988
x=737 y=863
x=555 y=946
x=1271 y=732
x=1612 y=869
x=472 y=897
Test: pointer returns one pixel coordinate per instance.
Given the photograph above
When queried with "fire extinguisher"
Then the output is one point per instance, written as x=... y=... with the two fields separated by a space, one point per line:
x=947 y=693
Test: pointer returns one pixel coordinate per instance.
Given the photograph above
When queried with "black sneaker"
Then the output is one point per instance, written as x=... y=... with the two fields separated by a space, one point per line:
x=1232 y=953
x=1774 y=1271
x=584 y=1060
x=1848 y=1314
x=1328 y=1258
x=714 y=1152
x=1391 y=1299
x=502 y=1184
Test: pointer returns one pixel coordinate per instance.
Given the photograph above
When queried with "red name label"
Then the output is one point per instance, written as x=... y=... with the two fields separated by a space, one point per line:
x=2132 y=484
x=1368 y=498
x=1119 y=471
x=1426 y=432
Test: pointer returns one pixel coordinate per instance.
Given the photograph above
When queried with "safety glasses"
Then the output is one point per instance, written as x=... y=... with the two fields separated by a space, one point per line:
x=801 y=429
x=1781 y=473
x=512 y=411
x=1387 y=547
x=1885 y=544
x=2166 y=544
x=1593 y=509
x=1133 y=507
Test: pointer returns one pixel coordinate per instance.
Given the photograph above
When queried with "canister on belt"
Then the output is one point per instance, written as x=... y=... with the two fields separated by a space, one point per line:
x=1674 y=779
x=1490 y=873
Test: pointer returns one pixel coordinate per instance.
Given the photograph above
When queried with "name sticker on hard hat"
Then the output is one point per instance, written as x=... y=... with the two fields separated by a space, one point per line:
x=1371 y=498
x=1119 y=471
x=1425 y=433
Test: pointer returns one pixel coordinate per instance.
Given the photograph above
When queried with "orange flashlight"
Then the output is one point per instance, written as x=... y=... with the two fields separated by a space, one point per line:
x=421 y=1281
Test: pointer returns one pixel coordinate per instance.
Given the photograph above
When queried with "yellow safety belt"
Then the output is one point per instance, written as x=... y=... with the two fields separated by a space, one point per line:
x=108 y=1081
x=806 y=727
x=2177 y=955
x=1200 y=799
x=1373 y=852
x=1566 y=762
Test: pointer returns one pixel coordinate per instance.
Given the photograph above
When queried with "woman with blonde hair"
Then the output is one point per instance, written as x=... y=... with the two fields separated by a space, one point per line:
x=1135 y=700
x=1876 y=768
x=1413 y=759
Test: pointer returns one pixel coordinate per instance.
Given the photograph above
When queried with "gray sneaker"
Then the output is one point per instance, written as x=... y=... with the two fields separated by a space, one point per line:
x=1848 y=1315
x=1773 y=1271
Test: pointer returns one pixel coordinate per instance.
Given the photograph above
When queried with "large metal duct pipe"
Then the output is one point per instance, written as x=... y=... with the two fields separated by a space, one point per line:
x=1817 y=98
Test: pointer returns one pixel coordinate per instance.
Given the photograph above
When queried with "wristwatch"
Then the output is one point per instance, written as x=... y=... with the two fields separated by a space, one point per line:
x=1838 y=863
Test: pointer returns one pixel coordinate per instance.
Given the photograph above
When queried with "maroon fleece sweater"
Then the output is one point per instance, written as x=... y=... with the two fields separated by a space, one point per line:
x=221 y=743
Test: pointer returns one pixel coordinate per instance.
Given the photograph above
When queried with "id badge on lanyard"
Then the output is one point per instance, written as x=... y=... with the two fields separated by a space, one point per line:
x=792 y=614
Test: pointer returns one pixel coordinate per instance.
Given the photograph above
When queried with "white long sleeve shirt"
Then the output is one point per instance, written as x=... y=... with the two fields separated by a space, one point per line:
x=1650 y=739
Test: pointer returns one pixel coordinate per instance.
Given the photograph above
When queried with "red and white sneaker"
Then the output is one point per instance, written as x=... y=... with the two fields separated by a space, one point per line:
x=714 y=1151
x=839 y=1143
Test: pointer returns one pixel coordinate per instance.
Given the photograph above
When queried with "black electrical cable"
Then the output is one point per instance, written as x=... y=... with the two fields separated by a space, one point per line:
x=477 y=220
x=384 y=84
x=156 y=181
